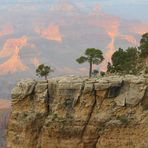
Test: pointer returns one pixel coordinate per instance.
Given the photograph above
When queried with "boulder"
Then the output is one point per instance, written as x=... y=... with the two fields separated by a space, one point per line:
x=23 y=89
x=135 y=93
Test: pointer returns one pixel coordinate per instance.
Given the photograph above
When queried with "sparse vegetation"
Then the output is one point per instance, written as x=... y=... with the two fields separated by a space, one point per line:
x=123 y=119
x=54 y=116
x=68 y=103
x=95 y=72
x=102 y=73
x=38 y=115
x=100 y=127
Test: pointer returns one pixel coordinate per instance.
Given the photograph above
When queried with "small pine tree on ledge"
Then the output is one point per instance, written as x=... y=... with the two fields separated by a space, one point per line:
x=43 y=71
x=92 y=56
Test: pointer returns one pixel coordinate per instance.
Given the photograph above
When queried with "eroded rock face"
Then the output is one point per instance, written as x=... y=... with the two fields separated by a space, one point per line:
x=74 y=112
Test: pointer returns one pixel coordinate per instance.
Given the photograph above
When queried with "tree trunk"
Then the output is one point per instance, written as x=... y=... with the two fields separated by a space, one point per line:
x=90 y=69
x=46 y=78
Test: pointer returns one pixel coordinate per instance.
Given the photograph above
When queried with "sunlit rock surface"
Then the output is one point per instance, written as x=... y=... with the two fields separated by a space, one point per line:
x=77 y=112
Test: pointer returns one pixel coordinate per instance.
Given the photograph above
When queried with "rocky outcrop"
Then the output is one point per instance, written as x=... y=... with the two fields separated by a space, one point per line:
x=75 y=112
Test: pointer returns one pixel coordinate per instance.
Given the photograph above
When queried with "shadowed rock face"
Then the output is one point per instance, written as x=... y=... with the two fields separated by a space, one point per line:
x=75 y=112
x=4 y=114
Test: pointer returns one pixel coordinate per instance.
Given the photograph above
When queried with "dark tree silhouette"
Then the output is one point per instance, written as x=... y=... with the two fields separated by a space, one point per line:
x=92 y=56
x=124 y=61
x=43 y=71
x=144 y=45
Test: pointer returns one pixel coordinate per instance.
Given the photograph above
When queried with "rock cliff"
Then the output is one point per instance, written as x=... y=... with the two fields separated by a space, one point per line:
x=75 y=112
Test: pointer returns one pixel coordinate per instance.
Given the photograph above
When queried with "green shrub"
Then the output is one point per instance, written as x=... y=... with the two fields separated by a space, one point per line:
x=100 y=127
x=123 y=119
x=68 y=103
x=102 y=73
x=38 y=115
x=54 y=116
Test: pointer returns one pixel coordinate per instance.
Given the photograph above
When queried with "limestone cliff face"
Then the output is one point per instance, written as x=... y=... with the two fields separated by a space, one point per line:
x=74 y=112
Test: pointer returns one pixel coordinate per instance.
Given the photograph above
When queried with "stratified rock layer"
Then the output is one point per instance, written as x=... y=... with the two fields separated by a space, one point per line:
x=74 y=112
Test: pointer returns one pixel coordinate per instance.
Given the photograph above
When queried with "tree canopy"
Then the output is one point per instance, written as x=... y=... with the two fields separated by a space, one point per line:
x=43 y=71
x=124 y=61
x=92 y=56
x=132 y=60
x=144 y=45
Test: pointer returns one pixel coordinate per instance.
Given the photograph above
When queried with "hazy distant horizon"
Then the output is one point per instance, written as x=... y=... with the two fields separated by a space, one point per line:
x=56 y=32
